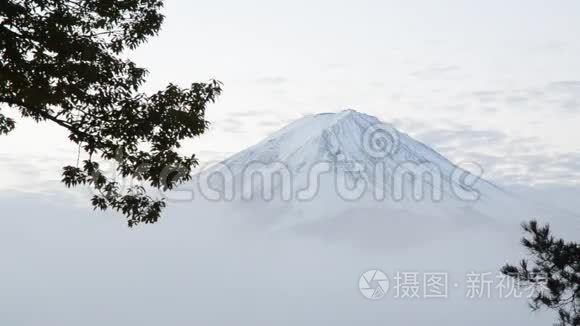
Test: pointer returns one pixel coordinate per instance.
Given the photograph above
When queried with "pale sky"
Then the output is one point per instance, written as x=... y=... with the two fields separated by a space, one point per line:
x=495 y=82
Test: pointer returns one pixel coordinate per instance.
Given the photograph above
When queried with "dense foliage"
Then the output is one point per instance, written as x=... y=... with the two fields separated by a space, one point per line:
x=555 y=270
x=61 y=63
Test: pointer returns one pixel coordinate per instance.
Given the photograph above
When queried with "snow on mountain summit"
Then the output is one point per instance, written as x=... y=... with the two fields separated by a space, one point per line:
x=347 y=132
x=351 y=141
x=355 y=147
x=328 y=170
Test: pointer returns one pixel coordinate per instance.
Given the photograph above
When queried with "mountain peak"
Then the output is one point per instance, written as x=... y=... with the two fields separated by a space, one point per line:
x=349 y=111
x=330 y=165
x=355 y=146
x=352 y=134
x=346 y=113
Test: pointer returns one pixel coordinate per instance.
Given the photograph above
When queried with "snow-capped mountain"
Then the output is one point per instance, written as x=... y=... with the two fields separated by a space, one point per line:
x=331 y=170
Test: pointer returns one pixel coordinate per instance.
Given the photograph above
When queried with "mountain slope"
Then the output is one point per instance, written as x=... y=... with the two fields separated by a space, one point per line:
x=327 y=170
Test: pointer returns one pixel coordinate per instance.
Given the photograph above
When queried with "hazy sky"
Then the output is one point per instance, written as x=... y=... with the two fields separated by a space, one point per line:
x=496 y=82
x=490 y=81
